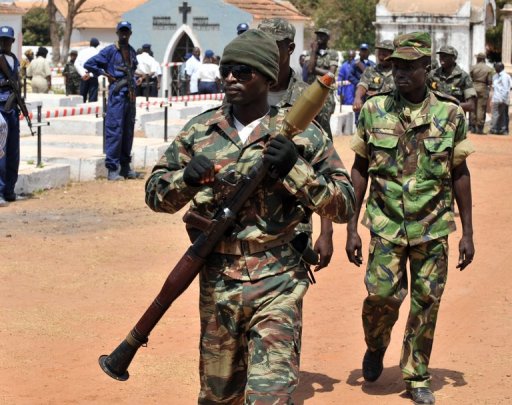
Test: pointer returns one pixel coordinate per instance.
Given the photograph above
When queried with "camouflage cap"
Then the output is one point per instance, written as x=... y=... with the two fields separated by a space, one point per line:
x=386 y=44
x=412 y=46
x=449 y=50
x=279 y=28
x=323 y=31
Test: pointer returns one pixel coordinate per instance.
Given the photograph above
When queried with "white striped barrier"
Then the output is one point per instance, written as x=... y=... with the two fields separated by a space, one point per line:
x=66 y=112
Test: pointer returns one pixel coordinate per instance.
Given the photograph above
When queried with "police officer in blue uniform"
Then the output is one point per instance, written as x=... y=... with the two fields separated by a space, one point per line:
x=118 y=63
x=10 y=151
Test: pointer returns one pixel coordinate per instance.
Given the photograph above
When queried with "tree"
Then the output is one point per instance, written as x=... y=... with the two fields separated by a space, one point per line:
x=494 y=35
x=36 y=27
x=350 y=21
x=74 y=8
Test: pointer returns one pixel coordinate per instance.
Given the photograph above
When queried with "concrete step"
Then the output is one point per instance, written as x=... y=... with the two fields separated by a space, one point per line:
x=32 y=178
x=54 y=100
x=155 y=129
x=84 y=154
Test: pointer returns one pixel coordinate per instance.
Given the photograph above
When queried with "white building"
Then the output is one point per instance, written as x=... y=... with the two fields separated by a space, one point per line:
x=459 y=23
x=11 y=15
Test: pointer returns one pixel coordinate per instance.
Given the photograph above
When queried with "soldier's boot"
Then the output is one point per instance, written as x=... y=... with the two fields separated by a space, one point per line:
x=127 y=172
x=422 y=395
x=113 y=175
x=373 y=364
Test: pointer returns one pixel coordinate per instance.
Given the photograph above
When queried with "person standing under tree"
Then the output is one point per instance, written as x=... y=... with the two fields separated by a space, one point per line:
x=89 y=84
x=71 y=76
x=411 y=143
x=481 y=74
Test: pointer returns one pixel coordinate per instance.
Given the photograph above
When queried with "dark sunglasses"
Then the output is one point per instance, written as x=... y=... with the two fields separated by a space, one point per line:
x=241 y=73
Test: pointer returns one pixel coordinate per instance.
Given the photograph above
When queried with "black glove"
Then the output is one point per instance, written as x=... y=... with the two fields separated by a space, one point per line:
x=200 y=168
x=282 y=154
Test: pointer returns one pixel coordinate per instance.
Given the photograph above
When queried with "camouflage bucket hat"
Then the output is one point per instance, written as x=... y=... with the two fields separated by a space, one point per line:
x=412 y=46
x=278 y=28
x=449 y=50
x=386 y=44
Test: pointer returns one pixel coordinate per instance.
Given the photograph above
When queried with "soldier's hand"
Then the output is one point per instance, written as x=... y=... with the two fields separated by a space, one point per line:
x=358 y=104
x=466 y=252
x=324 y=248
x=353 y=248
x=281 y=153
x=200 y=171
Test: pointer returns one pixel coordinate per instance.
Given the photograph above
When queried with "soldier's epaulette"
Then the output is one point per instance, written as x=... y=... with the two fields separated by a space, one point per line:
x=445 y=97
x=379 y=93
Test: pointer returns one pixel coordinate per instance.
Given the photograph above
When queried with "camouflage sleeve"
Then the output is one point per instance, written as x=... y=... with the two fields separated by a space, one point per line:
x=358 y=143
x=333 y=56
x=319 y=180
x=166 y=190
x=462 y=145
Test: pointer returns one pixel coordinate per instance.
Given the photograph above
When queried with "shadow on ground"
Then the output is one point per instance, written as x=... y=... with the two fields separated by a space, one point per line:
x=310 y=384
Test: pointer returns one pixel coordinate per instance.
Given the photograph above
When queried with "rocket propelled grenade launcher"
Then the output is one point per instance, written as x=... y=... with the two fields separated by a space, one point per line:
x=300 y=115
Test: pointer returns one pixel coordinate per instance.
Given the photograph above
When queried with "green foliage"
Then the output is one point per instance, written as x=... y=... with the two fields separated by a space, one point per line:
x=350 y=21
x=494 y=35
x=36 y=27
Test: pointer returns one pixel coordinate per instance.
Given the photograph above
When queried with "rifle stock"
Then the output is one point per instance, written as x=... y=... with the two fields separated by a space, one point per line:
x=16 y=94
x=181 y=276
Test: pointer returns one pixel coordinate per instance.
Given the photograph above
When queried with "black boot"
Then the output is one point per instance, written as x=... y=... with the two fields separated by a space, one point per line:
x=422 y=395
x=127 y=172
x=373 y=364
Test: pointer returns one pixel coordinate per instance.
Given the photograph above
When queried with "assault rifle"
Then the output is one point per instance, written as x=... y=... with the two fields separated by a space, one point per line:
x=126 y=81
x=15 y=97
x=307 y=106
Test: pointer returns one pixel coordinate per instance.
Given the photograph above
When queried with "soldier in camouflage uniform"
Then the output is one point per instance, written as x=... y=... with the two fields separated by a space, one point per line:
x=322 y=60
x=252 y=287
x=411 y=143
x=71 y=76
x=450 y=79
x=376 y=79
x=283 y=94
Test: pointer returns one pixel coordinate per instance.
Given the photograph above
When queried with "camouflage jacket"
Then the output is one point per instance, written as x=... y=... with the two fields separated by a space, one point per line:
x=376 y=80
x=71 y=74
x=324 y=60
x=317 y=182
x=410 y=165
x=458 y=84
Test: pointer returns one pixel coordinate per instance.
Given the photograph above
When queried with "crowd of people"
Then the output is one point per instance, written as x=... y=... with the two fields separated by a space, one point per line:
x=411 y=145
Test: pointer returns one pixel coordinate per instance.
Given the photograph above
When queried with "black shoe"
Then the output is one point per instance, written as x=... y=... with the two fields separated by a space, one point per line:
x=10 y=197
x=372 y=364
x=422 y=395
x=128 y=173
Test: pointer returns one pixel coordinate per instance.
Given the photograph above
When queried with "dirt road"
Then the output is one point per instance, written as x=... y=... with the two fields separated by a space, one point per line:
x=79 y=265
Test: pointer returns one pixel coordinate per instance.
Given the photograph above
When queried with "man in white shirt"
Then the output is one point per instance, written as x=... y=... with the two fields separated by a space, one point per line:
x=191 y=67
x=149 y=71
x=208 y=74
x=501 y=83
x=89 y=83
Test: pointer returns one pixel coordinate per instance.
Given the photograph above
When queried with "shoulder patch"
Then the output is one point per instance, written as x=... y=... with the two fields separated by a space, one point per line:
x=445 y=97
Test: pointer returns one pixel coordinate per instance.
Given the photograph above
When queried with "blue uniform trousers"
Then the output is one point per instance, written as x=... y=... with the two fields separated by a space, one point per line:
x=119 y=126
x=10 y=162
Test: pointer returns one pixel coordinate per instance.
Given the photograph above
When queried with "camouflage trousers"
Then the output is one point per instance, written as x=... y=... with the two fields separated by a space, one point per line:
x=386 y=283
x=250 y=338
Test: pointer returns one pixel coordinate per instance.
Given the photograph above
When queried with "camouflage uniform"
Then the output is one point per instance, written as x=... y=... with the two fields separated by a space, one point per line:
x=325 y=59
x=376 y=79
x=409 y=214
x=72 y=78
x=481 y=74
x=458 y=84
x=252 y=287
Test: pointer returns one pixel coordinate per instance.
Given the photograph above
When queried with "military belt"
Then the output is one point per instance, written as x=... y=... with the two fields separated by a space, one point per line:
x=243 y=247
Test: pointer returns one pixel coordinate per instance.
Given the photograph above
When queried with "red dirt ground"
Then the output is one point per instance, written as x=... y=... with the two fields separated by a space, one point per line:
x=79 y=265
